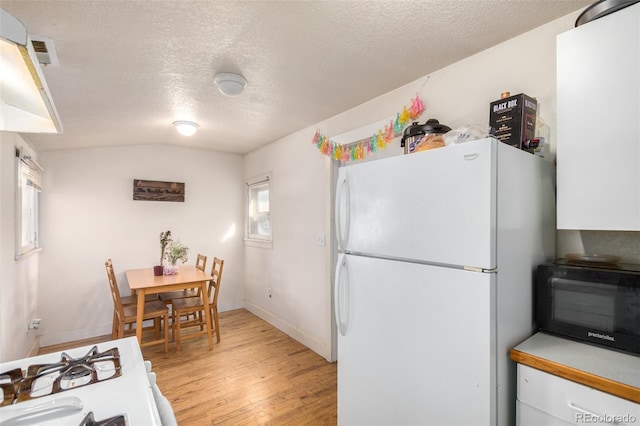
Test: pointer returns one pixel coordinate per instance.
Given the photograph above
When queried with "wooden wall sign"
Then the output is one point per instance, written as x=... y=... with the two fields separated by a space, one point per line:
x=152 y=190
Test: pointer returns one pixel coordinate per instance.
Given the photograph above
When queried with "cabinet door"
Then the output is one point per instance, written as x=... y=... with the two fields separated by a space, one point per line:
x=598 y=148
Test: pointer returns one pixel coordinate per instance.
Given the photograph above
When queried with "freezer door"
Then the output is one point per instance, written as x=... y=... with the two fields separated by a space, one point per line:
x=436 y=206
x=414 y=344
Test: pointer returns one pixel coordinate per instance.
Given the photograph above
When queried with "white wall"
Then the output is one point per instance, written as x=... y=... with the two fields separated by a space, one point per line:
x=296 y=268
x=18 y=278
x=88 y=215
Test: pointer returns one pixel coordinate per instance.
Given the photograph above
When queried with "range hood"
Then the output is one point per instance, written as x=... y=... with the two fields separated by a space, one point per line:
x=26 y=105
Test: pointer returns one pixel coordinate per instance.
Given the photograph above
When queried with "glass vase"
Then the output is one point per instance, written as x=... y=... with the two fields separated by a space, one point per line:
x=170 y=269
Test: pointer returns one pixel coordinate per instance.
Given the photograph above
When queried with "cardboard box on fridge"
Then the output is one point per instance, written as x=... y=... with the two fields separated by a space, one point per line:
x=513 y=120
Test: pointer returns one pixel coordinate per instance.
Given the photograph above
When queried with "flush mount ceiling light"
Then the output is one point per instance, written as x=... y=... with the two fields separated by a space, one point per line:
x=186 y=128
x=230 y=84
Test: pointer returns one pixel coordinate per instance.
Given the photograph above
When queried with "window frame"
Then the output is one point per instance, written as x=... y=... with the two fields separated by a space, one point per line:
x=27 y=205
x=257 y=239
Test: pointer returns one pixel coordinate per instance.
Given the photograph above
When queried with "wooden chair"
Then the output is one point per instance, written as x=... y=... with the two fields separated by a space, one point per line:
x=168 y=296
x=122 y=315
x=195 y=305
x=130 y=300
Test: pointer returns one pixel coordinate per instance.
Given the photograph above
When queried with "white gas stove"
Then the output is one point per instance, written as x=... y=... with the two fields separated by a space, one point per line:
x=105 y=384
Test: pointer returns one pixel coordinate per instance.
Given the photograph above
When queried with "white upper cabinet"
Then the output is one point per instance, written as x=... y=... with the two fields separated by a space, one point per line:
x=598 y=149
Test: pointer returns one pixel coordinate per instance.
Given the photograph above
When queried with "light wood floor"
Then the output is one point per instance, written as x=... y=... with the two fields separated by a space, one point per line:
x=255 y=375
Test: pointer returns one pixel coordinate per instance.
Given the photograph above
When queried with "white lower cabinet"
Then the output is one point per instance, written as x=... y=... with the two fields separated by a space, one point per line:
x=545 y=399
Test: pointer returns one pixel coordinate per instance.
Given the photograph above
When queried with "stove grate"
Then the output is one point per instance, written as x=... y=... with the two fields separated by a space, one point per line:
x=69 y=373
x=112 y=421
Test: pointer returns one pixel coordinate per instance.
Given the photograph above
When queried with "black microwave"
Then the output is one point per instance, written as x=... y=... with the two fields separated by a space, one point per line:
x=595 y=303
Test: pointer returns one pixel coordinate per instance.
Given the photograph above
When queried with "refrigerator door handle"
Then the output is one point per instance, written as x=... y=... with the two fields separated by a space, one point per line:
x=342 y=229
x=341 y=295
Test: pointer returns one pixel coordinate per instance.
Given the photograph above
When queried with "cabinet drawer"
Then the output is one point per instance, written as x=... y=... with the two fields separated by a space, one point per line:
x=526 y=415
x=573 y=402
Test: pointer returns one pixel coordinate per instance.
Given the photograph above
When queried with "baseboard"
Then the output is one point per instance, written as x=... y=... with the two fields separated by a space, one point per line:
x=73 y=335
x=229 y=307
x=321 y=348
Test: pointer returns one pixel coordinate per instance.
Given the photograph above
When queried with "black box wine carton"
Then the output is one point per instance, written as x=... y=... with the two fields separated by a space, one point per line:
x=513 y=120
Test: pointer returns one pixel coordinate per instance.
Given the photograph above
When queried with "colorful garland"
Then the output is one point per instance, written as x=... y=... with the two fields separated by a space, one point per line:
x=360 y=149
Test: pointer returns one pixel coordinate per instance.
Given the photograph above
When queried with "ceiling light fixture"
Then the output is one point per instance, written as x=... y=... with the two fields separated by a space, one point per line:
x=186 y=128
x=230 y=84
x=25 y=102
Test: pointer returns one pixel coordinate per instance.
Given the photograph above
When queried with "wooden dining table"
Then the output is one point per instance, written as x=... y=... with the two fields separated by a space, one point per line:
x=143 y=282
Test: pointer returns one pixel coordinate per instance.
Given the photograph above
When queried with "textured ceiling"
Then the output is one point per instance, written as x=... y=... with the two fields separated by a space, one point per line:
x=128 y=69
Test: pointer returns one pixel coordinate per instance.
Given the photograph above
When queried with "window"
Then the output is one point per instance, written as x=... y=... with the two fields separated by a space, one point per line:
x=258 y=210
x=28 y=187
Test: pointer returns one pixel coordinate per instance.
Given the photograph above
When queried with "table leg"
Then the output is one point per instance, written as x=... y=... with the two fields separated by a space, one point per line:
x=207 y=312
x=140 y=315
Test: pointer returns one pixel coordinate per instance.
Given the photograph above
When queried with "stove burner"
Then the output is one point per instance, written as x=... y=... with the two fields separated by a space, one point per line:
x=68 y=373
x=112 y=421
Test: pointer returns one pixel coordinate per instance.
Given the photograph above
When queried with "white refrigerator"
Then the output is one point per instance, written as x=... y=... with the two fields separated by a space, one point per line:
x=434 y=282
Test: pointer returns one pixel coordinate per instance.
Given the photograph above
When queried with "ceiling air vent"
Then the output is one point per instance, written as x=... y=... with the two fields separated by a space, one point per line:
x=45 y=50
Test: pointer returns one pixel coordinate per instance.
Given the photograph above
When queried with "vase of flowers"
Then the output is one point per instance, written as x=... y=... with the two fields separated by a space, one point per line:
x=175 y=252
x=165 y=239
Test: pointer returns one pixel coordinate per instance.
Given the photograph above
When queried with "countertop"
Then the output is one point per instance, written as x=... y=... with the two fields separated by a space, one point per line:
x=604 y=369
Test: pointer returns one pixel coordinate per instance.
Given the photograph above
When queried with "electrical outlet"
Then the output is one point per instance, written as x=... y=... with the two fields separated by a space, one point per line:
x=321 y=239
x=35 y=324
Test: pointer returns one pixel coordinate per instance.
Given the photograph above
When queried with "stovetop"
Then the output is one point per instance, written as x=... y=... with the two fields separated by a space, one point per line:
x=106 y=384
x=67 y=373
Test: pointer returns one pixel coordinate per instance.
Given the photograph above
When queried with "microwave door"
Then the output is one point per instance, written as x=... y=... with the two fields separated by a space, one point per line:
x=584 y=304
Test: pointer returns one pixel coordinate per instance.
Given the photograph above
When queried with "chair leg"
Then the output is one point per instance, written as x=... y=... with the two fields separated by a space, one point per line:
x=120 y=330
x=114 y=326
x=166 y=332
x=214 y=320
x=156 y=327
x=177 y=326
x=173 y=325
